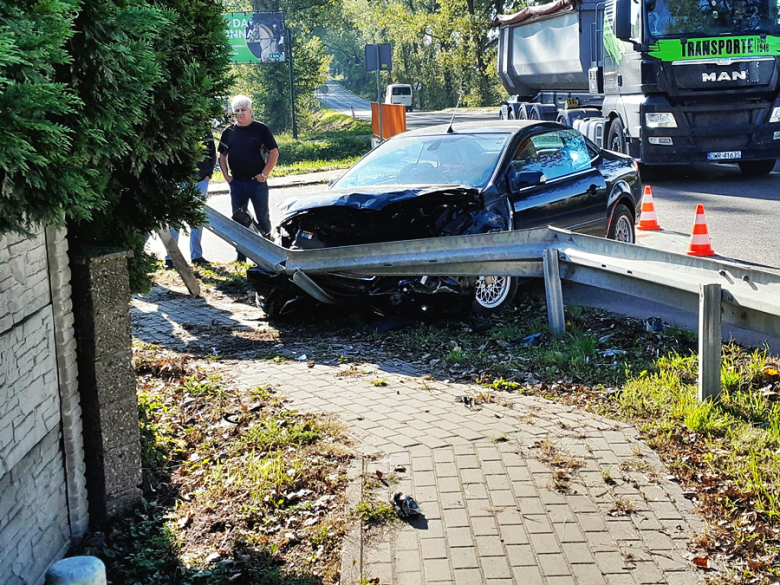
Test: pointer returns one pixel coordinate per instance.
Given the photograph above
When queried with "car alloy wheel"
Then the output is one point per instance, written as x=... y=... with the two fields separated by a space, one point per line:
x=493 y=293
x=622 y=227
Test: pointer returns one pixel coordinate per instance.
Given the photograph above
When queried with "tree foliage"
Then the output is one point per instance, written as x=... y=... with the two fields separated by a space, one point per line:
x=103 y=108
x=445 y=45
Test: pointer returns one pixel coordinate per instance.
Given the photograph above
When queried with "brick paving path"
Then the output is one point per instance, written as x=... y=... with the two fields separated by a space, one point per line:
x=490 y=511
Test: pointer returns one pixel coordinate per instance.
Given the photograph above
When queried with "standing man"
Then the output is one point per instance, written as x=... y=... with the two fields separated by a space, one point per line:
x=247 y=155
x=205 y=170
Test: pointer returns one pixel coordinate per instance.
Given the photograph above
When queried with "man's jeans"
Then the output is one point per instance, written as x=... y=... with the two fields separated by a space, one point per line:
x=195 y=233
x=241 y=193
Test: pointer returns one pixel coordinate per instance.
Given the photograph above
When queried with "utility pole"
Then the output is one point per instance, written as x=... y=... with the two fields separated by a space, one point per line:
x=292 y=82
x=379 y=92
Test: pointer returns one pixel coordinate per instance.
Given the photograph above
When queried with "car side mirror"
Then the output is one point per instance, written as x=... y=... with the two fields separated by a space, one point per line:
x=333 y=180
x=520 y=179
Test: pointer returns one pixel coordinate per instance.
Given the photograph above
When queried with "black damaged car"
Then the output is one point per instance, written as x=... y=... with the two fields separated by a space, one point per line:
x=466 y=178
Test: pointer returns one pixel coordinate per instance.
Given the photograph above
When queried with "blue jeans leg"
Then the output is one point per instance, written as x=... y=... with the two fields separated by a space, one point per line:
x=196 y=234
x=241 y=193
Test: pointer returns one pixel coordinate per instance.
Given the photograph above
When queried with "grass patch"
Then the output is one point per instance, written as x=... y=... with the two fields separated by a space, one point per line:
x=375 y=512
x=728 y=451
x=227 y=278
x=237 y=488
x=334 y=141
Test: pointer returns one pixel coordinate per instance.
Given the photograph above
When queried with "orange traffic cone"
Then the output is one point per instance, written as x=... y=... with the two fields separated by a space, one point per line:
x=648 y=220
x=700 y=237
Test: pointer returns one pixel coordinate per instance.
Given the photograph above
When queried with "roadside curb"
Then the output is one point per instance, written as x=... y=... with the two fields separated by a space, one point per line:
x=281 y=183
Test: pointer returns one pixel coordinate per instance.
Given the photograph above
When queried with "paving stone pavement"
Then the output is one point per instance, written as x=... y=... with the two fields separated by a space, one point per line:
x=484 y=477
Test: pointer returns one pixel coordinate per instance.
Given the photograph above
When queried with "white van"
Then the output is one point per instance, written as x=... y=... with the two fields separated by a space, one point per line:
x=400 y=93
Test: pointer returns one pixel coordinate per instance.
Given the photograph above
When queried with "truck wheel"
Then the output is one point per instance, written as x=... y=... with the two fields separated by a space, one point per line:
x=616 y=140
x=756 y=168
x=501 y=114
x=621 y=225
x=493 y=294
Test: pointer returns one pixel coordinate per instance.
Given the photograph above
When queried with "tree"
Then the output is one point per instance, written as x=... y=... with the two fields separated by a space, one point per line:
x=104 y=106
x=39 y=181
x=445 y=45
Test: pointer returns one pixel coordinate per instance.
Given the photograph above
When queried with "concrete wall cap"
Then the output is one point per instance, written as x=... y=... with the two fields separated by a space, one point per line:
x=93 y=255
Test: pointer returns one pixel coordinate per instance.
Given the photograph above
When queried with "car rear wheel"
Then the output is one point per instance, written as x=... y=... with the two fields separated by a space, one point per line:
x=756 y=168
x=493 y=294
x=621 y=228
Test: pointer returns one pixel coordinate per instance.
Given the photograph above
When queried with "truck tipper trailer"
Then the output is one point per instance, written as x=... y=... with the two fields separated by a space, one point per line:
x=666 y=81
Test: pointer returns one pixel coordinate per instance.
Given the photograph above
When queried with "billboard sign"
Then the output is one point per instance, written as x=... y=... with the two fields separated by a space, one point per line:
x=256 y=37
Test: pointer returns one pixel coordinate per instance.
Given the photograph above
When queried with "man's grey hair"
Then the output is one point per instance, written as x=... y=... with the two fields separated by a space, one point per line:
x=240 y=100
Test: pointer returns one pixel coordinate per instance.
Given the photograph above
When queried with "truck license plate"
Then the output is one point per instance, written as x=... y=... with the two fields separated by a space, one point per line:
x=728 y=155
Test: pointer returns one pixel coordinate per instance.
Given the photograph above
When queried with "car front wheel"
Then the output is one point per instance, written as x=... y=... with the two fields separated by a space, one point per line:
x=621 y=228
x=493 y=294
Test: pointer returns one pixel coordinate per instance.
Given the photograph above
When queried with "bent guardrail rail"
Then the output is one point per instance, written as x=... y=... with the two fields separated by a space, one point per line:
x=719 y=290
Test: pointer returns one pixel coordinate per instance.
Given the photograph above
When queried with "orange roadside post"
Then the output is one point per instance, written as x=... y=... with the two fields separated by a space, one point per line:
x=648 y=220
x=700 y=236
x=393 y=119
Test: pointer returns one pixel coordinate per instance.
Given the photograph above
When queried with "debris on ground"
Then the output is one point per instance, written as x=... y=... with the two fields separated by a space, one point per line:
x=405 y=505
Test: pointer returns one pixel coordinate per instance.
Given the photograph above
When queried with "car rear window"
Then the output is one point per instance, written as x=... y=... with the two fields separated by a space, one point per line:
x=402 y=90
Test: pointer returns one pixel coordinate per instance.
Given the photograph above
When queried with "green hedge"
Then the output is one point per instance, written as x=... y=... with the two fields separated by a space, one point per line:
x=103 y=107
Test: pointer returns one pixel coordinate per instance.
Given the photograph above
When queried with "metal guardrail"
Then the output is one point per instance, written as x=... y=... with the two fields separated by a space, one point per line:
x=719 y=290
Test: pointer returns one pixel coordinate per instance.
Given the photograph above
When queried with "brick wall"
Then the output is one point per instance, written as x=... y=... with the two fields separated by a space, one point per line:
x=42 y=486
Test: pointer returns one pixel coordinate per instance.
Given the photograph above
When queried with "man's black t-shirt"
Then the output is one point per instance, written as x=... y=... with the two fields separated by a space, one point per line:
x=247 y=148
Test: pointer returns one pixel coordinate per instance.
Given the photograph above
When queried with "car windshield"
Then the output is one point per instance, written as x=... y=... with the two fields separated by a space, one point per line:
x=677 y=18
x=462 y=159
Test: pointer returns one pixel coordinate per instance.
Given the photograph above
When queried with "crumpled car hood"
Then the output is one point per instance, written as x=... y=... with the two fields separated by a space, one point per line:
x=345 y=217
x=375 y=198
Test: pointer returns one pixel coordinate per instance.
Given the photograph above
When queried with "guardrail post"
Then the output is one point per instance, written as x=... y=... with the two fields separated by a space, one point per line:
x=709 y=341
x=179 y=263
x=552 y=288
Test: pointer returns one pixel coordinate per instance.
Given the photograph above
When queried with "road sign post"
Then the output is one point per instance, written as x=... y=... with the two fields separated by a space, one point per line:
x=379 y=58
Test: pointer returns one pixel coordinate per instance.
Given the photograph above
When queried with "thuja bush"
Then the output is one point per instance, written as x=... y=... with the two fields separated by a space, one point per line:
x=109 y=103
x=40 y=179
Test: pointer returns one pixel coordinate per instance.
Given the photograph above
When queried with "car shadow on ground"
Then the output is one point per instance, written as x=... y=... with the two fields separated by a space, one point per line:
x=224 y=327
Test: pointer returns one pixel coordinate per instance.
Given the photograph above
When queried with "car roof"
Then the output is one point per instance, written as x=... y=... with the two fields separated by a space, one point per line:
x=498 y=127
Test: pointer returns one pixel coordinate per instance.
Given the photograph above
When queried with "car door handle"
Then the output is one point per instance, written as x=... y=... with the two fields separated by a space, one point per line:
x=592 y=191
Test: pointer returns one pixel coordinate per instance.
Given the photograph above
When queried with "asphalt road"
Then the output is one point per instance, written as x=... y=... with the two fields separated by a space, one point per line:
x=742 y=212
x=337 y=98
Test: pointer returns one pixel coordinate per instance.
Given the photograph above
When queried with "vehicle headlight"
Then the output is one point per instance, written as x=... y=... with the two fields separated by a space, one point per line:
x=660 y=120
x=775 y=115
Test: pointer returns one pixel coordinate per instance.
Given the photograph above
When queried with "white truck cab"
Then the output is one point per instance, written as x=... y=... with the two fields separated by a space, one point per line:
x=400 y=93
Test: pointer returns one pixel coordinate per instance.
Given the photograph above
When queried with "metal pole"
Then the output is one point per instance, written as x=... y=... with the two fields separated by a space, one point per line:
x=292 y=83
x=379 y=92
x=552 y=288
x=710 y=322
